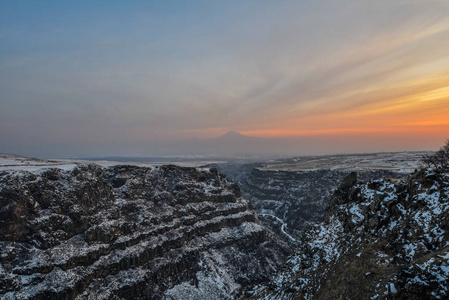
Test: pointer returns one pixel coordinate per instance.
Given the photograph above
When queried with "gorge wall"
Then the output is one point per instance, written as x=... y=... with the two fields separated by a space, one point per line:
x=289 y=201
x=381 y=239
x=128 y=232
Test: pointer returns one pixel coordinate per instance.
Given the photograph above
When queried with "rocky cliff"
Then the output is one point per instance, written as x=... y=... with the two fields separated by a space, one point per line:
x=382 y=239
x=127 y=232
x=289 y=201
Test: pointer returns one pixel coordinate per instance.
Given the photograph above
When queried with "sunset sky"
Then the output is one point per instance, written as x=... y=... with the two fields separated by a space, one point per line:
x=89 y=78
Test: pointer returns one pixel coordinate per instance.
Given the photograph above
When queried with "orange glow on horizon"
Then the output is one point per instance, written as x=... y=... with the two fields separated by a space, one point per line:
x=421 y=128
x=418 y=105
x=408 y=103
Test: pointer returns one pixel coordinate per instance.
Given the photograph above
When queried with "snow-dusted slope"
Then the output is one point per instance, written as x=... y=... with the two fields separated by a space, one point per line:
x=129 y=232
x=292 y=193
x=297 y=198
x=384 y=239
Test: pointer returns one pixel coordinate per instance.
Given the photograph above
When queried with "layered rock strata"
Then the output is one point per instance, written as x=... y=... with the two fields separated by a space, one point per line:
x=290 y=201
x=126 y=232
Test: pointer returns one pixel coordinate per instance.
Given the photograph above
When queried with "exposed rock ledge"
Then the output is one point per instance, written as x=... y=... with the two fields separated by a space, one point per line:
x=383 y=239
x=127 y=232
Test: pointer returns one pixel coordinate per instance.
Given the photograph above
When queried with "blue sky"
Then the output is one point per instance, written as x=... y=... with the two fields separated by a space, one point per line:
x=115 y=77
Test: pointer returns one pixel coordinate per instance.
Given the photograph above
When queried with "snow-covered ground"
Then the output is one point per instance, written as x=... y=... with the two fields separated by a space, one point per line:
x=396 y=161
x=16 y=162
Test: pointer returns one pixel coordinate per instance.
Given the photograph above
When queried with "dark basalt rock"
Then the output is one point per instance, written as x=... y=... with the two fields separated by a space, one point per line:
x=299 y=198
x=383 y=239
x=128 y=232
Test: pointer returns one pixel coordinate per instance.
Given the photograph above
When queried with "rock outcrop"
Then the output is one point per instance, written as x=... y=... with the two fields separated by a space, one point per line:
x=382 y=239
x=127 y=232
x=290 y=201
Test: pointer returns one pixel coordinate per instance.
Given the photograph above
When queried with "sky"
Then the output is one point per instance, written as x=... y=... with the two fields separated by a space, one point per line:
x=98 y=78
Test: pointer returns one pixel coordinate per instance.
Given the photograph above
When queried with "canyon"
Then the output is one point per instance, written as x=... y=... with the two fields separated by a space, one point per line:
x=165 y=232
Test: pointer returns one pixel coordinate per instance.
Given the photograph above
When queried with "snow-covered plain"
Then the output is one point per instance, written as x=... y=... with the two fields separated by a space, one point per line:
x=395 y=161
x=15 y=162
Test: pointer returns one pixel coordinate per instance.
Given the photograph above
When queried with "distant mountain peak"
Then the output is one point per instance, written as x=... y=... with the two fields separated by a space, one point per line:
x=232 y=134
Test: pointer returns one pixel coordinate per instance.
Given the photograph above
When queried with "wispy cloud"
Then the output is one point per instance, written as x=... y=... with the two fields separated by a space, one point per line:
x=131 y=73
